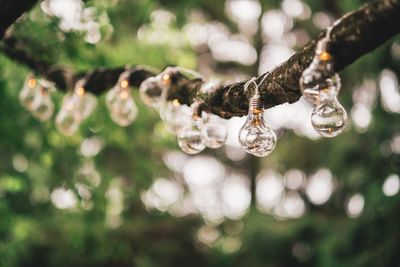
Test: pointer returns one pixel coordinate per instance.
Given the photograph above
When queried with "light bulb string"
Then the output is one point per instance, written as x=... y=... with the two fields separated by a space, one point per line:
x=255 y=103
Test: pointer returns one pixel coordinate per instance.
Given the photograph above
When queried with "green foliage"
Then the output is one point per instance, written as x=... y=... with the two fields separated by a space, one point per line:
x=36 y=160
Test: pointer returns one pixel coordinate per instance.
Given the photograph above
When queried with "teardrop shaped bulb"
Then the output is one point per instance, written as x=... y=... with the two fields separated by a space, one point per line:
x=329 y=118
x=190 y=138
x=84 y=104
x=174 y=115
x=314 y=78
x=152 y=92
x=214 y=132
x=122 y=107
x=256 y=137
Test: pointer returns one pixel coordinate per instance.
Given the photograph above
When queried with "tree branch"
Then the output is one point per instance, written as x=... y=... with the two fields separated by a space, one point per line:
x=357 y=34
x=10 y=11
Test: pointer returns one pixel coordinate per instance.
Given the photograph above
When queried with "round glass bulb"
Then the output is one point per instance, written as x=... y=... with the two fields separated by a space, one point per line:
x=84 y=104
x=122 y=107
x=174 y=115
x=329 y=118
x=256 y=137
x=152 y=92
x=190 y=139
x=316 y=77
x=214 y=132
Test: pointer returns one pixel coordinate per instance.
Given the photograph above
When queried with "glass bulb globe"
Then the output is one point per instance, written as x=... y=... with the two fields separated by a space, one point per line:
x=84 y=104
x=152 y=92
x=122 y=107
x=214 y=132
x=42 y=107
x=255 y=136
x=81 y=103
x=317 y=77
x=174 y=115
x=329 y=89
x=190 y=139
x=67 y=122
x=329 y=118
x=28 y=92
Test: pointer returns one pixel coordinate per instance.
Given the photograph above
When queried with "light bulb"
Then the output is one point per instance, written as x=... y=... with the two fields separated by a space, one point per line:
x=67 y=122
x=152 y=91
x=329 y=118
x=83 y=102
x=76 y=107
x=317 y=88
x=214 y=132
x=190 y=138
x=174 y=115
x=255 y=136
x=42 y=106
x=120 y=104
x=314 y=77
x=28 y=92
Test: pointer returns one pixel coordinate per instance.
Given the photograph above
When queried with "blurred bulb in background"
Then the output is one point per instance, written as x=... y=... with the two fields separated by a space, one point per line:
x=83 y=103
x=76 y=107
x=214 y=131
x=152 y=91
x=120 y=104
x=174 y=115
x=42 y=107
x=190 y=138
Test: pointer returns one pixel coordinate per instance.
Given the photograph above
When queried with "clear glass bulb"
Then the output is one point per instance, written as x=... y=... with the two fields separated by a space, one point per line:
x=190 y=138
x=329 y=118
x=42 y=107
x=312 y=82
x=255 y=136
x=313 y=78
x=67 y=122
x=28 y=92
x=214 y=132
x=152 y=91
x=76 y=107
x=122 y=107
x=83 y=103
x=174 y=115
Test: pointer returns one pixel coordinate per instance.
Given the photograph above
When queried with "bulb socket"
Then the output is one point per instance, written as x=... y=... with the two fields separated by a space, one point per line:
x=255 y=105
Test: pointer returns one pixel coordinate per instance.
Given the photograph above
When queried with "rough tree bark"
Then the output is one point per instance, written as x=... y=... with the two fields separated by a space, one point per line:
x=357 y=34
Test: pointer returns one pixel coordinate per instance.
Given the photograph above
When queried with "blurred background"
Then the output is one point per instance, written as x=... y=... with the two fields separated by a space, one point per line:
x=113 y=196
